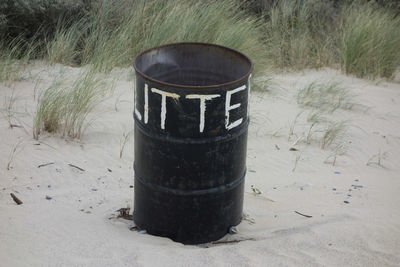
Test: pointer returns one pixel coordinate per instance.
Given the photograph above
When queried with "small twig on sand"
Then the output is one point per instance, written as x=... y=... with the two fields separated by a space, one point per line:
x=45 y=164
x=16 y=200
x=305 y=215
x=74 y=166
x=232 y=241
x=15 y=126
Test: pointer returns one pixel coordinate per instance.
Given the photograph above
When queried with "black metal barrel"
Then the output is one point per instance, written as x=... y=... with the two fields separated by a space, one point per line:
x=191 y=120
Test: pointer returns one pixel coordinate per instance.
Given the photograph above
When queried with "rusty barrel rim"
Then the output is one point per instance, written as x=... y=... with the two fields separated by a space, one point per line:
x=234 y=51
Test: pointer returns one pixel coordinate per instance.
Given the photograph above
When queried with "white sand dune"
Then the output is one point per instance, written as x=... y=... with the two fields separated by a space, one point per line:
x=78 y=226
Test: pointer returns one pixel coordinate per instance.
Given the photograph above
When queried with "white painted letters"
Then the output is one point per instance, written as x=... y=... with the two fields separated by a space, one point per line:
x=248 y=97
x=163 y=103
x=202 y=103
x=203 y=99
x=228 y=108
x=146 y=103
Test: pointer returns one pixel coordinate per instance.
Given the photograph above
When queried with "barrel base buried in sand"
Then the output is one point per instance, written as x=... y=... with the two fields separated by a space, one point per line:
x=224 y=208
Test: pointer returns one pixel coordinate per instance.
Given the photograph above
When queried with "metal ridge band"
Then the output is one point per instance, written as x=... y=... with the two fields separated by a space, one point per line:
x=190 y=140
x=181 y=192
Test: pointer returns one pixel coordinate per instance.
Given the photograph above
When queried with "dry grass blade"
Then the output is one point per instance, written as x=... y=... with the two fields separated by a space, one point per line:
x=334 y=132
x=315 y=119
x=9 y=103
x=339 y=150
x=377 y=159
x=15 y=150
x=292 y=125
x=123 y=142
x=296 y=161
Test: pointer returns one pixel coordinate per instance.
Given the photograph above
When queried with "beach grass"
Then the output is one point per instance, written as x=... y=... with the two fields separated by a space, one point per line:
x=323 y=99
x=361 y=38
x=318 y=128
x=296 y=34
x=64 y=108
x=63 y=48
x=328 y=96
x=369 y=41
x=334 y=134
x=14 y=57
x=114 y=32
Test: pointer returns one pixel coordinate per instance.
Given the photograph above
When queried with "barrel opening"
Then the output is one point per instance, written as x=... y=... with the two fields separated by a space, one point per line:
x=193 y=65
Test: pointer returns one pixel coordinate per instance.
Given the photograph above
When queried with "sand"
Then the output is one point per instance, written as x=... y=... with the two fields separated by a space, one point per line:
x=78 y=226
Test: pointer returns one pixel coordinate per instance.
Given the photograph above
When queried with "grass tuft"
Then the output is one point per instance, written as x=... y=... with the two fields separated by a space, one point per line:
x=325 y=97
x=315 y=119
x=334 y=132
x=369 y=41
x=64 y=109
x=318 y=128
x=377 y=159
